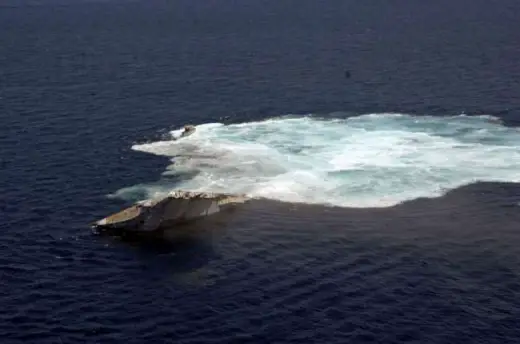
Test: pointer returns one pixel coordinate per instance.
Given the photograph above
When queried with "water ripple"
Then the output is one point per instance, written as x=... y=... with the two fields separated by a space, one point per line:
x=83 y=81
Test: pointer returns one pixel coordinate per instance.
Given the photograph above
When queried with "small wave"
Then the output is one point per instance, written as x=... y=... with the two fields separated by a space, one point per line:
x=373 y=160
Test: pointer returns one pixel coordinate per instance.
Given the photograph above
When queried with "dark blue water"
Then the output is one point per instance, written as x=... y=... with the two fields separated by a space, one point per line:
x=81 y=81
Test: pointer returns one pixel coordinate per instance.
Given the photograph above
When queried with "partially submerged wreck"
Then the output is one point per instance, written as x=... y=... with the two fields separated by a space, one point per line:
x=176 y=208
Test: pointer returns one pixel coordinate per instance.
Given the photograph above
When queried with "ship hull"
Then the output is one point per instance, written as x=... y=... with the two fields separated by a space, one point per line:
x=179 y=207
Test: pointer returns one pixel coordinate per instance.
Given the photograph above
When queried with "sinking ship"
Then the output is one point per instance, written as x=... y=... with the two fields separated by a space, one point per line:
x=176 y=208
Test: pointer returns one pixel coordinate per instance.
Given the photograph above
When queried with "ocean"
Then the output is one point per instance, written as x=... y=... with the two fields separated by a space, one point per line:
x=379 y=140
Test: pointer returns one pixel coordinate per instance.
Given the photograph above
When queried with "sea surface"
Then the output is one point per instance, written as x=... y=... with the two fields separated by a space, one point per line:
x=380 y=141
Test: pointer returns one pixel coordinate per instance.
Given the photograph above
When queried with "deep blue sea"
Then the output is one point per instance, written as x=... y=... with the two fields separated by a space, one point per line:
x=380 y=141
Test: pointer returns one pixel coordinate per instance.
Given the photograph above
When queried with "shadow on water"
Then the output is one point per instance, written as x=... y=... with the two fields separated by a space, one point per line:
x=180 y=249
x=461 y=214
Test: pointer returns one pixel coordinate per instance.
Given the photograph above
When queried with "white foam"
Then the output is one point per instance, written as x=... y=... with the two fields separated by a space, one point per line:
x=366 y=161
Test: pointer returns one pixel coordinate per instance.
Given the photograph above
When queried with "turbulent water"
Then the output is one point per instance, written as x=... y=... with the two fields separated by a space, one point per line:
x=372 y=160
x=389 y=129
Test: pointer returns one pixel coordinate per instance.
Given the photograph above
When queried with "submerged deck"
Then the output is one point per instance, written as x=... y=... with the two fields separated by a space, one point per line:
x=177 y=207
